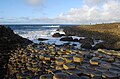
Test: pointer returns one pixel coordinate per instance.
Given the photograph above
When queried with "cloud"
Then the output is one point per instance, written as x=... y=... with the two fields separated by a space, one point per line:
x=35 y=2
x=92 y=11
x=93 y=2
x=109 y=11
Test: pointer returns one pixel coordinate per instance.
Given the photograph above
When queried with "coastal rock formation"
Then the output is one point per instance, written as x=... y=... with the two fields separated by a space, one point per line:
x=86 y=45
x=42 y=39
x=67 y=39
x=109 y=33
x=57 y=35
x=44 y=61
x=8 y=41
x=87 y=40
x=100 y=45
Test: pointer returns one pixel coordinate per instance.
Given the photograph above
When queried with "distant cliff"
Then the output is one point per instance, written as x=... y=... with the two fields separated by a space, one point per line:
x=8 y=41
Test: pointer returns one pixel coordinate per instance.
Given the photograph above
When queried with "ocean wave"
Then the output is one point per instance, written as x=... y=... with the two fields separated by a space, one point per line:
x=35 y=34
x=52 y=26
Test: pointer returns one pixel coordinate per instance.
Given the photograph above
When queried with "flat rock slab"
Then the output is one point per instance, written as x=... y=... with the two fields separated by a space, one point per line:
x=69 y=66
x=48 y=76
x=74 y=71
x=61 y=76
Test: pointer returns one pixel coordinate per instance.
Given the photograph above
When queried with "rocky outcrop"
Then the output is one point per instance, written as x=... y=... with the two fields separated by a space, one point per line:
x=109 y=33
x=87 y=40
x=57 y=35
x=86 y=45
x=67 y=39
x=100 y=45
x=42 y=39
x=8 y=41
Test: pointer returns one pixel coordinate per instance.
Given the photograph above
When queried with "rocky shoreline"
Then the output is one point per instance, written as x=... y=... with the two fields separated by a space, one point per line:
x=22 y=59
x=109 y=33
x=44 y=61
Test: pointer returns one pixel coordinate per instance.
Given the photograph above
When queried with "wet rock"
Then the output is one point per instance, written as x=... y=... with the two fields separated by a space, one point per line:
x=57 y=35
x=74 y=71
x=76 y=40
x=84 y=77
x=60 y=67
x=86 y=45
x=99 y=46
x=66 y=39
x=74 y=76
x=109 y=75
x=115 y=70
x=61 y=76
x=68 y=59
x=69 y=66
x=87 y=40
x=42 y=39
x=117 y=46
x=94 y=61
x=59 y=61
x=96 y=74
x=78 y=58
x=47 y=76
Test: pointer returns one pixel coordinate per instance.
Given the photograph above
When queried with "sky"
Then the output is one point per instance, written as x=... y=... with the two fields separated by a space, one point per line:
x=59 y=11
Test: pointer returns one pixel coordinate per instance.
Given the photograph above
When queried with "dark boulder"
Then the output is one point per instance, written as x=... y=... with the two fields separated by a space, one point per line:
x=74 y=44
x=42 y=39
x=116 y=46
x=76 y=40
x=57 y=35
x=86 y=46
x=87 y=40
x=100 y=45
x=67 y=39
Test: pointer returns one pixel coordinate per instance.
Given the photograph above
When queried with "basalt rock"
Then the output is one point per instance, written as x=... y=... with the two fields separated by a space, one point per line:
x=42 y=39
x=86 y=40
x=86 y=46
x=8 y=41
x=99 y=46
x=67 y=39
x=57 y=35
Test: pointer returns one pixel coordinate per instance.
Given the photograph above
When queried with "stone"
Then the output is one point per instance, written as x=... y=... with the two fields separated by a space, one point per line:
x=66 y=39
x=115 y=70
x=69 y=66
x=86 y=40
x=60 y=67
x=57 y=35
x=84 y=77
x=47 y=58
x=78 y=58
x=96 y=74
x=47 y=76
x=74 y=71
x=96 y=77
x=81 y=68
x=109 y=75
x=42 y=39
x=94 y=61
x=68 y=59
x=61 y=76
x=86 y=46
x=59 y=61
x=101 y=69
x=74 y=76
x=99 y=46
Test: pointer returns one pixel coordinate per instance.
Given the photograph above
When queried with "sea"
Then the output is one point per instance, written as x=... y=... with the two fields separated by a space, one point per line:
x=35 y=31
